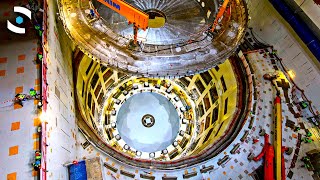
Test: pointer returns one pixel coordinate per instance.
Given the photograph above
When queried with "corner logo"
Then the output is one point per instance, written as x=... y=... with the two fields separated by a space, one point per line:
x=19 y=20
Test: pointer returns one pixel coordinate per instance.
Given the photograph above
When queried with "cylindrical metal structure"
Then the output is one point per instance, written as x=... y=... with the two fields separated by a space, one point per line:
x=183 y=46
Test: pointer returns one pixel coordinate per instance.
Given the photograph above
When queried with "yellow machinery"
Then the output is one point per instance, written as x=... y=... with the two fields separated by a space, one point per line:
x=278 y=137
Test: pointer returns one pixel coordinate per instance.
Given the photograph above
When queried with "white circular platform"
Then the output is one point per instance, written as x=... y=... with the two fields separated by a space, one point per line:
x=148 y=139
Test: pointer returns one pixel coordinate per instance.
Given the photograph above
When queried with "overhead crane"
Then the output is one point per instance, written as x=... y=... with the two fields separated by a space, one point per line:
x=219 y=15
x=135 y=16
x=140 y=19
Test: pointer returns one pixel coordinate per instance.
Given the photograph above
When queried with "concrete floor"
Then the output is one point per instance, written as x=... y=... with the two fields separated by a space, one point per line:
x=18 y=74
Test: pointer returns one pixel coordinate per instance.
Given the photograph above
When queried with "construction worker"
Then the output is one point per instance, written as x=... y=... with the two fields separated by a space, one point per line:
x=309 y=134
x=39 y=56
x=307 y=140
x=39 y=29
x=19 y=98
x=36 y=165
x=303 y=139
x=22 y=97
x=274 y=51
x=92 y=13
x=296 y=129
x=38 y=155
x=305 y=159
x=306 y=165
x=33 y=93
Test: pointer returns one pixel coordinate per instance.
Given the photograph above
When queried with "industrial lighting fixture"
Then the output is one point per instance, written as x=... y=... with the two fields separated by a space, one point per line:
x=151 y=155
x=181 y=133
x=165 y=151
x=42 y=117
x=113 y=125
x=291 y=74
x=118 y=137
x=126 y=147
x=175 y=143
x=138 y=153
x=40 y=104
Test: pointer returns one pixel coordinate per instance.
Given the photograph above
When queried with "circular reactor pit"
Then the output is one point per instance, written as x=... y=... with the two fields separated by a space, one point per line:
x=148 y=122
x=164 y=123
x=149 y=119
x=183 y=38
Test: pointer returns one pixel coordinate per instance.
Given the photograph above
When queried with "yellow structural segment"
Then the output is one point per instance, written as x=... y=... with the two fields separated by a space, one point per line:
x=225 y=117
x=278 y=136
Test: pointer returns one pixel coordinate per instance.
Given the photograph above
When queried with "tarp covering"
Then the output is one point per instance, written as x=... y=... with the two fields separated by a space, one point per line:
x=78 y=171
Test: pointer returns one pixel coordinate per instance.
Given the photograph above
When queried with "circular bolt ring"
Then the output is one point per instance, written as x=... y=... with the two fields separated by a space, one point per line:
x=149 y=123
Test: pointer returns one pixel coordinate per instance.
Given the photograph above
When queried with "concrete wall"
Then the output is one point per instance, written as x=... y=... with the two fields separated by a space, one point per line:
x=273 y=29
x=311 y=9
x=60 y=113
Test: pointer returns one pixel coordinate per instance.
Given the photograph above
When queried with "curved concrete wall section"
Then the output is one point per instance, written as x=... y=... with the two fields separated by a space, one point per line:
x=299 y=26
x=219 y=103
x=271 y=28
x=200 y=52
x=308 y=11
